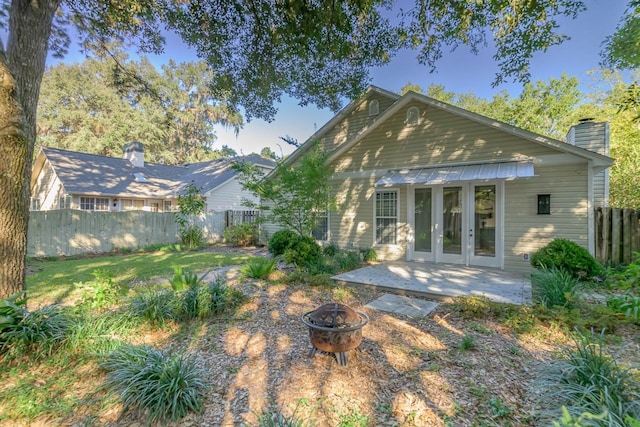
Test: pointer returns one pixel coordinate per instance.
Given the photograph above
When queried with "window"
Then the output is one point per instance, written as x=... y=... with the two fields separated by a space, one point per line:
x=413 y=116
x=131 y=204
x=386 y=217
x=35 y=204
x=154 y=207
x=321 y=230
x=65 y=201
x=544 y=204
x=374 y=107
x=167 y=206
x=94 y=203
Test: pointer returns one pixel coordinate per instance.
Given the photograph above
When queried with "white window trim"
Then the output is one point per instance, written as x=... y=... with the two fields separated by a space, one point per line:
x=328 y=227
x=375 y=216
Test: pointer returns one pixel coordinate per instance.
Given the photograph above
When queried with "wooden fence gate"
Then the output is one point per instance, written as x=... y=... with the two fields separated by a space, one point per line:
x=617 y=235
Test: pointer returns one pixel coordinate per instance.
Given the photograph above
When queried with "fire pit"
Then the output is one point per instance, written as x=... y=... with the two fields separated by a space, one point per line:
x=335 y=328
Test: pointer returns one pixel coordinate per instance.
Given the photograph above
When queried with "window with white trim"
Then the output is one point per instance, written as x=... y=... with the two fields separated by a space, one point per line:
x=386 y=217
x=35 y=204
x=321 y=229
x=94 y=203
x=65 y=201
x=374 y=107
x=167 y=206
x=413 y=116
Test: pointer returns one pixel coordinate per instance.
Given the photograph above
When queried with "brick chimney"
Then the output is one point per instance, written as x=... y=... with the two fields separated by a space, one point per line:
x=134 y=152
x=594 y=136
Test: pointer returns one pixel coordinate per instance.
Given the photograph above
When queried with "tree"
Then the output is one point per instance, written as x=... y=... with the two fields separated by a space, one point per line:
x=622 y=50
x=96 y=107
x=191 y=203
x=268 y=153
x=318 y=52
x=294 y=195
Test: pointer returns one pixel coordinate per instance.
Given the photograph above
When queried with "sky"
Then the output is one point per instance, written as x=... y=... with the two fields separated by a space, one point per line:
x=459 y=72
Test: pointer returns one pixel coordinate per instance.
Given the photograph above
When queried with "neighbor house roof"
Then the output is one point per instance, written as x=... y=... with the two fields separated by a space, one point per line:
x=91 y=174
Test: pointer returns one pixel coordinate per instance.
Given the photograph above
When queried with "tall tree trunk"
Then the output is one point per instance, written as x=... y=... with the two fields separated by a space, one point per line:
x=21 y=70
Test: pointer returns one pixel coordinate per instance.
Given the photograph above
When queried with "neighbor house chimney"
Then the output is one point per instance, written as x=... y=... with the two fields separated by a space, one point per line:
x=134 y=152
x=594 y=136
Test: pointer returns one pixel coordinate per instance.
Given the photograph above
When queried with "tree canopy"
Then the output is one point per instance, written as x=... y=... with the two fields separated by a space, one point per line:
x=100 y=104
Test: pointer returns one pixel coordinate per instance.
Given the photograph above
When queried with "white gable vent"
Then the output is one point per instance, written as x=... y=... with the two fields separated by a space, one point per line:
x=413 y=116
x=374 y=107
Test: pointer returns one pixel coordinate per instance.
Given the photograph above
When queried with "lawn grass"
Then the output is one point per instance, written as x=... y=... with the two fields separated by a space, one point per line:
x=58 y=280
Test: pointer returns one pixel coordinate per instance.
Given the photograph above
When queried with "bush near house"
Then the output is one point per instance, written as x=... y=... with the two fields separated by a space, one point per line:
x=242 y=235
x=567 y=255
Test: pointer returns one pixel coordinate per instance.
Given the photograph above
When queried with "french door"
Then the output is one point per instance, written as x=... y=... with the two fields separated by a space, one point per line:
x=458 y=223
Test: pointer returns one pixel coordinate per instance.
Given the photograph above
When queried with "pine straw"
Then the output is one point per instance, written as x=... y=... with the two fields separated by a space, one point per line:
x=406 y=372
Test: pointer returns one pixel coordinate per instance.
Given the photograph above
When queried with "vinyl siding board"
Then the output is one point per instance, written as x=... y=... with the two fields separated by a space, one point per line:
x=228 y=196
x=526 y=231
x=352 y=224
x=351 y=125
x=440 y=138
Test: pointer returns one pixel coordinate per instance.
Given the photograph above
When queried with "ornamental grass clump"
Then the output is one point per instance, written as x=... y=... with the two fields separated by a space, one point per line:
x=555 y=287
x=587 y=380
x=259 y=268
x=165 y=386
x=37 y=334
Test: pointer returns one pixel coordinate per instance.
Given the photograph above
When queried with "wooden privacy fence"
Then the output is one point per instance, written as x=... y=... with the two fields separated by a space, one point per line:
x=617 y=234
x=240 y=217
x=74 y=232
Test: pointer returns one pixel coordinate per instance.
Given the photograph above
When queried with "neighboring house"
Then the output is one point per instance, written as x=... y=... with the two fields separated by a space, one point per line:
x=63 y=179
x=418 y=179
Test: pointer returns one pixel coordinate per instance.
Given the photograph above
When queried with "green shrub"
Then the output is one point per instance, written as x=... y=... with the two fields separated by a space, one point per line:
x=627 y=304
x=330 y=250
x=259 y=268
x=156 y=307
x=164 y=386
x=12 y=311
x=184 y=279
x=191 y=236
x=567 y=255
x=38 y=333
x=102 y=292
x=555 y=287
x=281 y=241
x=321 y=265
x=242 y=235
x=348 y=261
x=303 y=250
x=224 y=298
x=369 y=255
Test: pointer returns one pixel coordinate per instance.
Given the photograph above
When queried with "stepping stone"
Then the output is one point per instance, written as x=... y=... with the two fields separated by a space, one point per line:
x=398 y=304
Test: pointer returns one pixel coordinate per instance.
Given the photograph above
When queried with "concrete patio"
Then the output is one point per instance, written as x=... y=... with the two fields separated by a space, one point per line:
x=442 y=281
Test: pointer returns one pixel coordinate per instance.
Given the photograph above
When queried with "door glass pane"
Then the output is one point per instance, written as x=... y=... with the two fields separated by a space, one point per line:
x=485 y=221
x=452 y=220
x=423 y=220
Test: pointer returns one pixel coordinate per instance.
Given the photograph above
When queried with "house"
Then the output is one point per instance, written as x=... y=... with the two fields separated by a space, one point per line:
x=63 y=179
x=421 y=180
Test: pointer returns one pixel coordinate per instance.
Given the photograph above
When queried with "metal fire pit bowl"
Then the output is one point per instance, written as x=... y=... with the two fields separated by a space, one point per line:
x=335 y=328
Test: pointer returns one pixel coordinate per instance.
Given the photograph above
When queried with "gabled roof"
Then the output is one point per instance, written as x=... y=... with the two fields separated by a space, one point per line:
x=599 y=161
x=341 y=115
x=212 y=174
x=91 y=174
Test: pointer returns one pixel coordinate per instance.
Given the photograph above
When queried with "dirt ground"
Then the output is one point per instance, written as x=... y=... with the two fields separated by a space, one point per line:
x=406 y=372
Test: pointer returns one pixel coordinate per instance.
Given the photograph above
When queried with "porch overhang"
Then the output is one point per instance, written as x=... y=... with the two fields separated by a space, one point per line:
x=470 y=172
